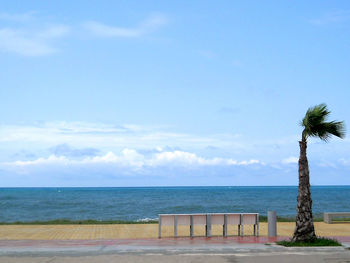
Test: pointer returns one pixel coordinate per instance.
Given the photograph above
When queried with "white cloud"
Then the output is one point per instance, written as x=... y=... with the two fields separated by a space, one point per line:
x=145 y=27
x=132 y=159
x=52 y=159
x=187 y=158
x=105 y=136
x=129 y=157
x=100 y=29
x=325 y=163
x=54 y=31
x=31 y=42
x=32 y=39
x=67 y=150
x=291 y=159
x=17 y=42
x=344 y=161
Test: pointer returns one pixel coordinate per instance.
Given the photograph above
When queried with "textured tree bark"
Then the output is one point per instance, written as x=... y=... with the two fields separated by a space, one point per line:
x=304 y=229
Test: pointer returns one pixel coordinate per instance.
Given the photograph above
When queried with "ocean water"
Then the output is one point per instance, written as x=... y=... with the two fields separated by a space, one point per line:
x=142 y=203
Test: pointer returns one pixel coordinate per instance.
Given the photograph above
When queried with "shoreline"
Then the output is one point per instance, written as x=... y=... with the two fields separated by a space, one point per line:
x=262 y=219
x=80 y=222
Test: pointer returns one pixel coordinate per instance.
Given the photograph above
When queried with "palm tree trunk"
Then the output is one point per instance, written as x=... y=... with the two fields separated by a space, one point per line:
x=304 y=229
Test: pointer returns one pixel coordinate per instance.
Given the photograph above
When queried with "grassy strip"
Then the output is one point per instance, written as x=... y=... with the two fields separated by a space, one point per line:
x=104 y=222
x=287 y=219
x=340 y=219
x=76 y=222
x=318 y=242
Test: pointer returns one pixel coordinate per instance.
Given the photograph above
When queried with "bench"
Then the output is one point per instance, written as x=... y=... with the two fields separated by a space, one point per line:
x=327 y=217
x=207 y=220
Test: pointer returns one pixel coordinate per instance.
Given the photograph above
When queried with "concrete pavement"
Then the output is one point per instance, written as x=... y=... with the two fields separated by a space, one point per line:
x=138 y=243
x=172 y=250
x=216 y=245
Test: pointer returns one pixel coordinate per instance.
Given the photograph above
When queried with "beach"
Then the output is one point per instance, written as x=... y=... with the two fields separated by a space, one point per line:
x=146 y=231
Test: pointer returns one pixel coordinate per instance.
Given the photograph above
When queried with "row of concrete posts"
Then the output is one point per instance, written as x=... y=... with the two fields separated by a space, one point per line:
x=206 y=219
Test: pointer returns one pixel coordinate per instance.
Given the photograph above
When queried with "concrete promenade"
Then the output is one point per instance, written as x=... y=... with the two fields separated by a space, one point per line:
x=215 y=249
x=139 y=243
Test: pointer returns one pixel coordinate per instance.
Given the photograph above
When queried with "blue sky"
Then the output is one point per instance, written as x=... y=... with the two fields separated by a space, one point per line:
x=147 y=93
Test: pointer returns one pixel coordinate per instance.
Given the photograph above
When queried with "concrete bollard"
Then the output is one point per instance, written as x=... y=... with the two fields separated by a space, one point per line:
x=272 y=223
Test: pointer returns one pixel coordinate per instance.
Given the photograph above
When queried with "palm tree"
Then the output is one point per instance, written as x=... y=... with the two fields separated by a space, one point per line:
x=315 y=125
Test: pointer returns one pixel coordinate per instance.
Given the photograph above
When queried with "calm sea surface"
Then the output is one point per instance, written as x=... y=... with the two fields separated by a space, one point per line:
x=142 y=203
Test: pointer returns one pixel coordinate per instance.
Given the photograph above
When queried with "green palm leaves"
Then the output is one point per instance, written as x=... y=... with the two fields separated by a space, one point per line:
x=315 y=124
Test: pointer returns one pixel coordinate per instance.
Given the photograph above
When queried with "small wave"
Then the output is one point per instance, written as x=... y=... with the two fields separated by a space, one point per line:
x=7 y=197
x=147 y=219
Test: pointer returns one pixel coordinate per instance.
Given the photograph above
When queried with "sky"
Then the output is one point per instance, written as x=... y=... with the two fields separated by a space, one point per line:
x=170 y=93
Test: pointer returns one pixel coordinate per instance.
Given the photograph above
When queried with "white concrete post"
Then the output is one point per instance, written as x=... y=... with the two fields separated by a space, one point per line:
x=160 y=227
x=175 y=225
x=327 y=218
x=191 y=225
x=225 y=226
x=272 y=223
x=208 y=226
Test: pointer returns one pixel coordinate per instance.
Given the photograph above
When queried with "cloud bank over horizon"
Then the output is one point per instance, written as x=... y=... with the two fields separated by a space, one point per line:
x=133 y=159
x=48 y=152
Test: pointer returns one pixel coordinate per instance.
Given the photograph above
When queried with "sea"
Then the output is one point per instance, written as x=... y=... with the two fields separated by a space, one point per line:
x=145 y=203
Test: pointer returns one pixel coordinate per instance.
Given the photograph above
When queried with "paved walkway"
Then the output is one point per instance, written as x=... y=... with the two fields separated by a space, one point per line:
x=139 y=243
x=143 y=231
x=216 y=249
x=309 y=257
x=168 y=245
x=56 y=248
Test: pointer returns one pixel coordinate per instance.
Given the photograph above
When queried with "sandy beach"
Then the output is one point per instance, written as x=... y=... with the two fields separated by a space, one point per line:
x=130 y=231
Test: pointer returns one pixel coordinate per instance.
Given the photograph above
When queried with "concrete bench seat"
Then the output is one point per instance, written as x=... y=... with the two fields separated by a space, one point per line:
x=328 y=216
x=209 y=219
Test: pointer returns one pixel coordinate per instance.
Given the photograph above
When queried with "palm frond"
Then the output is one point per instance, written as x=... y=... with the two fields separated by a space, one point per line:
x=326 y=129
x=315 y=124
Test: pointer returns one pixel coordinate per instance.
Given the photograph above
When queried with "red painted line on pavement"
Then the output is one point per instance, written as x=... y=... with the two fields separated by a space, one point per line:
x=140 y=242
x=181 y=241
